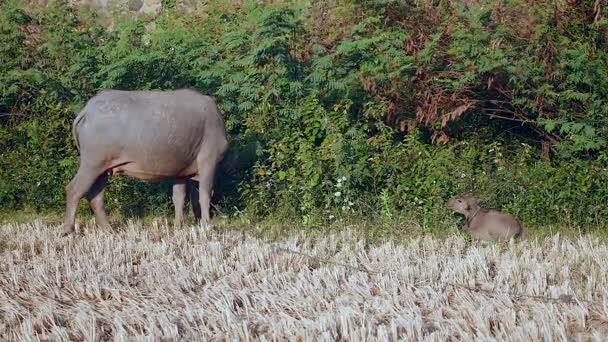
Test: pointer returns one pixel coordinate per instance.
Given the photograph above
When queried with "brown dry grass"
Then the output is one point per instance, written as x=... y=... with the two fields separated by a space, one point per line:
x=152 y=282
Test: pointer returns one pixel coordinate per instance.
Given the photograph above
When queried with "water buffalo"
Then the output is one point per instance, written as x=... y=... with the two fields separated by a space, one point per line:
x=486 y=224
x=148 y=135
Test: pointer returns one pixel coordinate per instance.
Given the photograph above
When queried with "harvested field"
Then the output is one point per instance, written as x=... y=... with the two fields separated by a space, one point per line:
x=143 y=283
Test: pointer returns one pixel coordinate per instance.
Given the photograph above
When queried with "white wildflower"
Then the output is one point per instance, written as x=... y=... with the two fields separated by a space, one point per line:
x=337 y=194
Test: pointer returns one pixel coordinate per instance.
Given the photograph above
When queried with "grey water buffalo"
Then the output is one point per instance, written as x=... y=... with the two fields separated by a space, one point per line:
x=147 y=135
x=486 y=224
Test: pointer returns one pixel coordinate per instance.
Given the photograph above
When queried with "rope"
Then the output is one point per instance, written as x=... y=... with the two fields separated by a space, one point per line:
x=210 y=203
x=324 y=261
x=566 y=299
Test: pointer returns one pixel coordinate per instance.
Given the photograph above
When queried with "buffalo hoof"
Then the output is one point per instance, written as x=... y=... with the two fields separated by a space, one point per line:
x=67 y=231
x=207 y=226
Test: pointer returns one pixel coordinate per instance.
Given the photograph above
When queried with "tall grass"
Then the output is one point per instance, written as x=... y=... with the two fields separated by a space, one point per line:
x=151 y=282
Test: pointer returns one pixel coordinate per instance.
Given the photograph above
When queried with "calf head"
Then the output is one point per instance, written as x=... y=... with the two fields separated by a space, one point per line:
x=463 y=204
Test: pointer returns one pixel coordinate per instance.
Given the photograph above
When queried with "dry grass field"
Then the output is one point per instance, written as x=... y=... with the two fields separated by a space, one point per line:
x=152 y=283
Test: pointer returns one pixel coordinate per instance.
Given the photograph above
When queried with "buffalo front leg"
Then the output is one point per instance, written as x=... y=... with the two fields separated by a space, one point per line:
x=194 y=200
x=75 y=190
x=205 y=187
x=179 y=198
x=95 y=197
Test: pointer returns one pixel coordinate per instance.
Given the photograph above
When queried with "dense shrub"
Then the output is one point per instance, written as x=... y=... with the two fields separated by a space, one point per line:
x=372 y=108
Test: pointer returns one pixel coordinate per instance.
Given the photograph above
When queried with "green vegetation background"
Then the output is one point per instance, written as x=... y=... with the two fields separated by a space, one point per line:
x=373 y=109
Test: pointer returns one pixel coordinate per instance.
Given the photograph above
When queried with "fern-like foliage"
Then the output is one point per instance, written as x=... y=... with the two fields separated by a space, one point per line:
x=332 y=107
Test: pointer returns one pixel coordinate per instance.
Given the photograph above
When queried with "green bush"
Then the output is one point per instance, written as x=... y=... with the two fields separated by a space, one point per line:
x=370 y=108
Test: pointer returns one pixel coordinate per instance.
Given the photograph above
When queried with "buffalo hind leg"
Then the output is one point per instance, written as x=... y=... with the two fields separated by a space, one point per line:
x=75 y=190
x=95 y=197
x=179 y=198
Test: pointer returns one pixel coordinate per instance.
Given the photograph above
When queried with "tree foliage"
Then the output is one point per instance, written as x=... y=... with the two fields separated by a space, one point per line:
x=367 y=107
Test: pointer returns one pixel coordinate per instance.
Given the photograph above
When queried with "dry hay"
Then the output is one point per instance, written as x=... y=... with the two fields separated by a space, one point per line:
x=154 y=284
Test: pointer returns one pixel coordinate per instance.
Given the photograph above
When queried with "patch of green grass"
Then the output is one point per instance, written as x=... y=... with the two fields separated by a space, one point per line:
x=30 y=215
x=373 y=229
